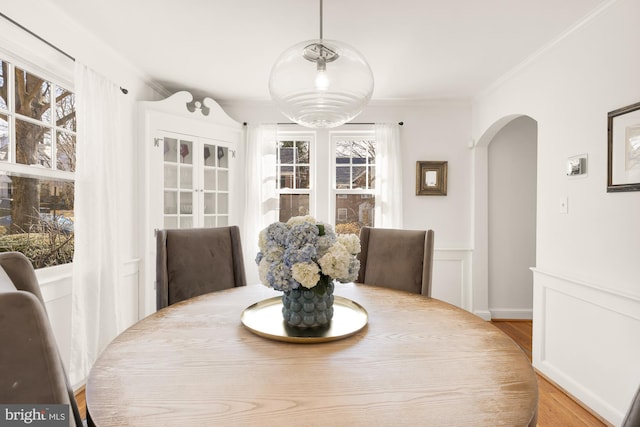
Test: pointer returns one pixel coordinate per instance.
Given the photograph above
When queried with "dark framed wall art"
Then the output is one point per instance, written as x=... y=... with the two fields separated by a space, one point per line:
x=623 y=149
x=431 y=178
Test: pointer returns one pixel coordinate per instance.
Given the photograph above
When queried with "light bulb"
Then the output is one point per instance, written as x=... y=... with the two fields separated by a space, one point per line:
x=322 y=80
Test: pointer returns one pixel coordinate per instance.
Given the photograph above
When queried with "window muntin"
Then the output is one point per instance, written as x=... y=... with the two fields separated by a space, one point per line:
x=354 y=178
x=37 y=161
x=293 y=169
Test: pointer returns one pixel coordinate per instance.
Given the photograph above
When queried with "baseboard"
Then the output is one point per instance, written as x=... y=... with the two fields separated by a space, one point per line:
x=483 y=314
x=511 y=313
x=572 y=397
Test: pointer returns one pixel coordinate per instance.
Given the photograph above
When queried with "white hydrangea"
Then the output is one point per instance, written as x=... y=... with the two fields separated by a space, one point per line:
x=263 y=270
x=262 y=240
x=295 y=220
x=335 y=262
x=351 y=242
x=306 y=273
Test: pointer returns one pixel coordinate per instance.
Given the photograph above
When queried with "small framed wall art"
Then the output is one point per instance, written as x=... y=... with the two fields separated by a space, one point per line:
x=623 y=149
x=431 y=178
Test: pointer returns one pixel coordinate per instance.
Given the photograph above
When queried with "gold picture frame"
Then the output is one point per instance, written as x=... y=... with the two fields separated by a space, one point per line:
x=431 y=178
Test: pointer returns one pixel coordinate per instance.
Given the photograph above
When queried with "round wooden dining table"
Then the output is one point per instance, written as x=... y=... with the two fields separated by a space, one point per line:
x=417 y=362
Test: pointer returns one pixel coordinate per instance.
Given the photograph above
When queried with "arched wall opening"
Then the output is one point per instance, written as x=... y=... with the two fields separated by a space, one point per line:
x=505 y=164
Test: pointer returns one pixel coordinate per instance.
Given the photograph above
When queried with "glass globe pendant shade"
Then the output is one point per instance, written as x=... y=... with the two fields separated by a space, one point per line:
x=321 y=83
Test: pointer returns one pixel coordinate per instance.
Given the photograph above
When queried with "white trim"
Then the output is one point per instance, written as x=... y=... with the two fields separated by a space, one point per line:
x=511 y=313
x=596 y=363
x=544 y=49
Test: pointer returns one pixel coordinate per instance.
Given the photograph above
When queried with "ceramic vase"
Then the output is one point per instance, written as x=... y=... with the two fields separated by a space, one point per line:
x=308 y=308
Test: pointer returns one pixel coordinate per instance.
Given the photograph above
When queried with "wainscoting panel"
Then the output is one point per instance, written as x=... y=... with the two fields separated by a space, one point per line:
x=587 y=340
x=451 y=280
x=56 y=287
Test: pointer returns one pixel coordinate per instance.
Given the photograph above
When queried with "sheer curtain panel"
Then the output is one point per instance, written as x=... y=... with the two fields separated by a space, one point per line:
x=388 y=189
x=261 y=202
x=96 y=264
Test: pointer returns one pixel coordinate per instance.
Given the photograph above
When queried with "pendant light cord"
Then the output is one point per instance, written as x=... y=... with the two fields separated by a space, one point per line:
x=320 y=19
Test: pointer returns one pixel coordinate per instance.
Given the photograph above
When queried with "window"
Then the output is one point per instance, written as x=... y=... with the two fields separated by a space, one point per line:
x=293 y=165
x=37 y=165
x=354 y=179
x=347 y=198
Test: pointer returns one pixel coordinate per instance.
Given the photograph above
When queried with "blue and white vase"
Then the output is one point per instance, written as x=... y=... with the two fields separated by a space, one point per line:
x=308 y=308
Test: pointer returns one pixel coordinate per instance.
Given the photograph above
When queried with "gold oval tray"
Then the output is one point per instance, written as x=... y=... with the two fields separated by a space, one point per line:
x=264 y=318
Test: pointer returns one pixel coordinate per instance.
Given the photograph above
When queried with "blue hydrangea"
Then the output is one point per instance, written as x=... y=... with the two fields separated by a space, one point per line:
x=302 y=241
x=301 y=235
x=277 y=234
x=293 y=255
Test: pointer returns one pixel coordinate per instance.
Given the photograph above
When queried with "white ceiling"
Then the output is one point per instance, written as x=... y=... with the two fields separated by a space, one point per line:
x=417 y=49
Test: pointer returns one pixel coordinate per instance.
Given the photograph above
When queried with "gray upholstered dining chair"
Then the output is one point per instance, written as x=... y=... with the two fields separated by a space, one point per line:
x=398 y=259
x=196 y=261
x=632 y=418
x=31 y=370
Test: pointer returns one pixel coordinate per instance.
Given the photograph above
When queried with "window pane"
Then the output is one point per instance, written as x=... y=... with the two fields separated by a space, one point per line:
x=186 y=152
x=293 y=205
x=33 y=96
x=353 y=211
x=3 y=84
x=209 y=154
x=302 y=177
x=33 y=144
x=302 y=152
x=65 y=109
x=359 y=177
x=66 y=152
x=286 y=177
x=286 y=152
x=4 y=138
x=170 y=150
x=223 y=157
x=343 y=150
x=363 y=150
x=343 y=177
x=36 y=218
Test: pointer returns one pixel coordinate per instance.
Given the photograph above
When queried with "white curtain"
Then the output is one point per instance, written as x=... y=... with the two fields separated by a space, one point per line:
x=95 y=315
x=261 y=202
x=388 y=176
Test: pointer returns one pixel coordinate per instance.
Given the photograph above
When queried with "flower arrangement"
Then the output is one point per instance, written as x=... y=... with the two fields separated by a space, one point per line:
x=306 y=253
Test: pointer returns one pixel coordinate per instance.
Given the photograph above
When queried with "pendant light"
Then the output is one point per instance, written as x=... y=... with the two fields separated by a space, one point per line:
x=321 y=83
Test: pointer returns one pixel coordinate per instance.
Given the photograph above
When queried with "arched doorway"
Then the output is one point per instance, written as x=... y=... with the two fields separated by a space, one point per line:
x=505 y=163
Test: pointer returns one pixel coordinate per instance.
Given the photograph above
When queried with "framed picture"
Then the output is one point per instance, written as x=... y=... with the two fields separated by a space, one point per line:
x=623 y=142
x=431 y=178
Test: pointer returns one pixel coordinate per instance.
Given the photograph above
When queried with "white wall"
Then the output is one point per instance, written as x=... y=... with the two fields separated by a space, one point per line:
x=438 y=130
x=587 y=278
x=45 y=20
x=512 y=219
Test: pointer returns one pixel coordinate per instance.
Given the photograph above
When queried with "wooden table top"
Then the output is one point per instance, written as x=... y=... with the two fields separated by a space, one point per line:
x=419 y=361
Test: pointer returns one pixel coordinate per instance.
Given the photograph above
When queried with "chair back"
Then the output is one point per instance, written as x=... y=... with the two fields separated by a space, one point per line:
x=192 y=262
x=31 y=370
x=397 y=259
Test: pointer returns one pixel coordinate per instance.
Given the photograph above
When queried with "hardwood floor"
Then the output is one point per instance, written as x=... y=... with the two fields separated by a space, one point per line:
x=555 y=408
